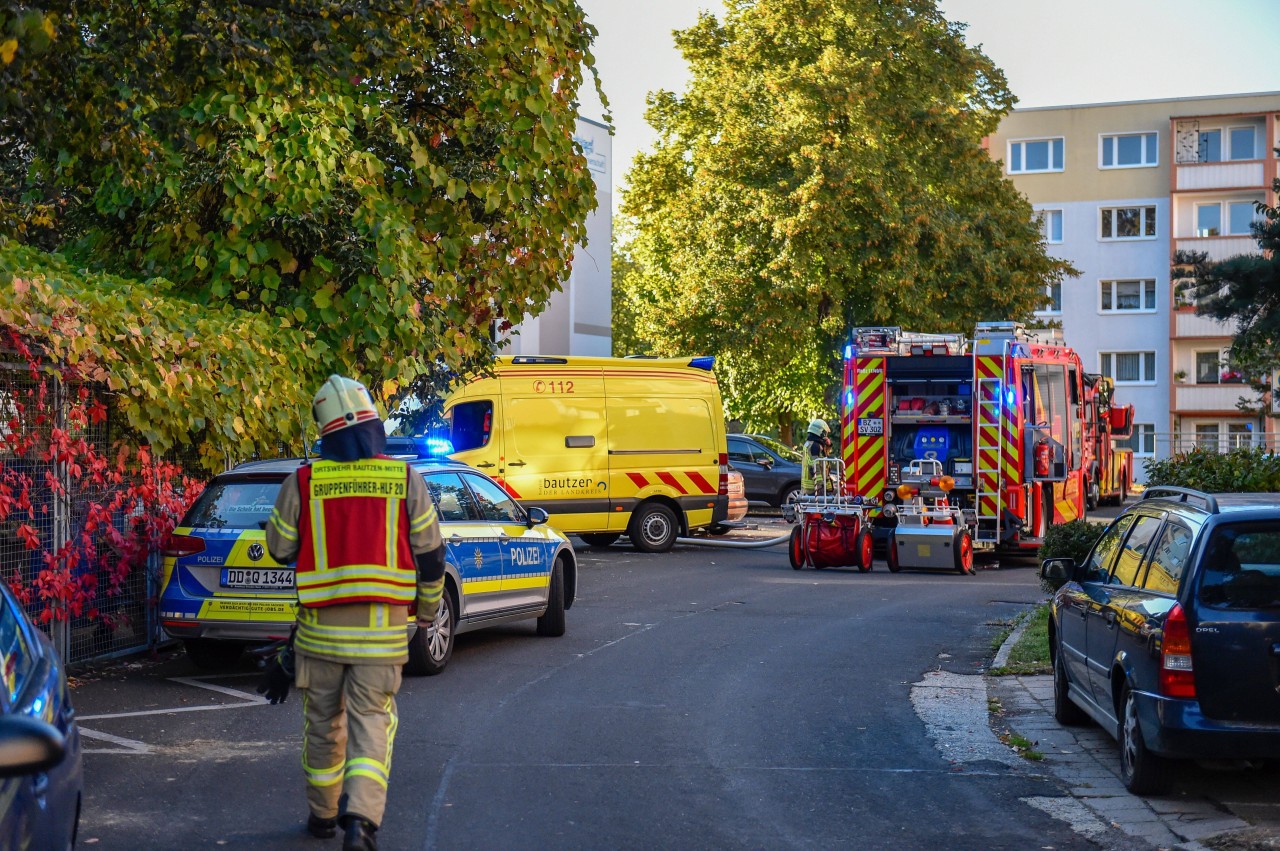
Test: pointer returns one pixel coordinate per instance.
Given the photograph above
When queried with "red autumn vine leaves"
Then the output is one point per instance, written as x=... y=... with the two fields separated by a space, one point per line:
x=121 y=502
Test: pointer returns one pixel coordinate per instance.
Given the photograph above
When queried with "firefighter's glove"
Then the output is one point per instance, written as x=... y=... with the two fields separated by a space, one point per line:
x=277 y=679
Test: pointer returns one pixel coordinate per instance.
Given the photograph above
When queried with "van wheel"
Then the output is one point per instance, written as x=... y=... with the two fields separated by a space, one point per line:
x=552 y=621
x=431 y=649
x=209 y=654
x=653 y=528
x=600 y=539
x=1143 y=772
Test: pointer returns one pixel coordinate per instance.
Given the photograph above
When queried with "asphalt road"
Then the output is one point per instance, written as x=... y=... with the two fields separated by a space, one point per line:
x=706 y=698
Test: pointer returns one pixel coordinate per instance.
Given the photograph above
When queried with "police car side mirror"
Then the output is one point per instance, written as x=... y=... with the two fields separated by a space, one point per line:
x=536 y=516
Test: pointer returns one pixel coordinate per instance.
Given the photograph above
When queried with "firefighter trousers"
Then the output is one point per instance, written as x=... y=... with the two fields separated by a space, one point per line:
x=349 y=726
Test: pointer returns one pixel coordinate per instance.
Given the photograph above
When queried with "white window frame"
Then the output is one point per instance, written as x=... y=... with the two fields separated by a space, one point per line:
x=1226 y=218
x=1195 y=218
x=1221 y=143
x=1043 y=217
x=1142 y=431
x=1229 y=156
x=1024 y=170
x=1237 y=430
x=1049 y=309
x=1110 y=370
x=1142 y=296
x=1142 y=226
x=1150 y=149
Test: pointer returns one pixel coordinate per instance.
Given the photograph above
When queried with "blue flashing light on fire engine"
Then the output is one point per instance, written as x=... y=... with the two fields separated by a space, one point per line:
x=848 y=352
x=1010 y=396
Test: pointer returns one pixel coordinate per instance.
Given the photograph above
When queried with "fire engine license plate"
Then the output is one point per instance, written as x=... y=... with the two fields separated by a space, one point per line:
x=257 y=578
x=873 y=425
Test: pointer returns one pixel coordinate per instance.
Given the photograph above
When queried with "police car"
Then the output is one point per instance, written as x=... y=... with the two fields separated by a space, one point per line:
x=222 y=591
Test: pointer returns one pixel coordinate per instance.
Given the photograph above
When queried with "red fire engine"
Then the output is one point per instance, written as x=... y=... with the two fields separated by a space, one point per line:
x=1108 y=468
x=1005 y=417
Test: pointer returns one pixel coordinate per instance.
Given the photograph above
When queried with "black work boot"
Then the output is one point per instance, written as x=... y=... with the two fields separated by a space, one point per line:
x=321 y=828
x=358 y=834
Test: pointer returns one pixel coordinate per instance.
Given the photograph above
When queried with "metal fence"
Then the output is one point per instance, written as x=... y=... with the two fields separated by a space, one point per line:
x=57 y=554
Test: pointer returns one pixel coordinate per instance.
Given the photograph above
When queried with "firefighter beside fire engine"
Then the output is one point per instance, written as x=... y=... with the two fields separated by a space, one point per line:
x=817 y=444
x=366 y=538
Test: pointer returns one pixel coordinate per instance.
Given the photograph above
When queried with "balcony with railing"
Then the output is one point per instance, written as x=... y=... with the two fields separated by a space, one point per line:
x=1196 y=176
x=1217 y=247
x=1187 y=323
x=1205 y=398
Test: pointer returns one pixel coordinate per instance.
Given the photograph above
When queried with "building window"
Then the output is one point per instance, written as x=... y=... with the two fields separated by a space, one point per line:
x=1240 y=217
x=1239 y=435
x=1210 y=146
x=1142 y=441
x=1128 y=223
x=1054 y=303
x=1031 y=155
x=1129 y=367
x=1242 y=143
x=1050 y=225
x=1207 y=436
x=1127 y=296
x=1129 y=150
x=1207 y=367
x=1208 y=220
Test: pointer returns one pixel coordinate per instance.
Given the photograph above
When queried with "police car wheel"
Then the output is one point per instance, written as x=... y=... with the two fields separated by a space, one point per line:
x=212 y=655
x=552 y=622
x=431 y=649
x=653 y=528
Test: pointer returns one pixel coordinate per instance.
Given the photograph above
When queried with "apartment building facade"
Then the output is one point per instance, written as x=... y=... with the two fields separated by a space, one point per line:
x=1119 y=188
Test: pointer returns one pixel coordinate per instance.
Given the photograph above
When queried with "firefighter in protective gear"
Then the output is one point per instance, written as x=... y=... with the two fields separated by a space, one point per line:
x=817 y=444
x=365 y=535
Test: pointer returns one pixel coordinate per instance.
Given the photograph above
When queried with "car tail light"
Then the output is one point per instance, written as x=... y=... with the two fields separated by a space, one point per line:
x=1177 y=679
x=177 y=546
x=723 y=490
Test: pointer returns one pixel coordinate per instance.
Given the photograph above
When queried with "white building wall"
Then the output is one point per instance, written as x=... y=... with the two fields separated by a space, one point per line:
x=1090 y=330
x=578 y=320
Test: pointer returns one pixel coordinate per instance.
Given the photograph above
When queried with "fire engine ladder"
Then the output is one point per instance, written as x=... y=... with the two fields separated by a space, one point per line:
x=988 y=470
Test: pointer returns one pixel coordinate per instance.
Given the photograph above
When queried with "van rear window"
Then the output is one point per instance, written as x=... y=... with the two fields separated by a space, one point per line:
x=234 y=505
x=1242 y=567
x=470 y=424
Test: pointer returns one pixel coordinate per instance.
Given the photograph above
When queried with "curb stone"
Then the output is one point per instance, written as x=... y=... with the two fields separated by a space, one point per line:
x=1085 y=761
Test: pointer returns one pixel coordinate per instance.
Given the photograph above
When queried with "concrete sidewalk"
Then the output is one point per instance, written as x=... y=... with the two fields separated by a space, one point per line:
x=1224 y=810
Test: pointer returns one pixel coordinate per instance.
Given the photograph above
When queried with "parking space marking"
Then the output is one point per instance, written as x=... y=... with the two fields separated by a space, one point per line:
x=244 y=696
x=132 y=746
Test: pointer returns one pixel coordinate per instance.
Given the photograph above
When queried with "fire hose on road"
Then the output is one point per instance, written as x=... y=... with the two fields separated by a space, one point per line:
x=740 y=545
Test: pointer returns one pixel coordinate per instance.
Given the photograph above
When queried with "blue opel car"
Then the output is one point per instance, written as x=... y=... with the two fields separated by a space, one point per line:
x=41 y=774
x=1168 y=635
x=222 y=591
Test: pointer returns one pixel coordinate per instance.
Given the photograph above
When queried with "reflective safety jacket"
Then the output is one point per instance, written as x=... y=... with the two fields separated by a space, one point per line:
x=354 y=529
x=354 y=516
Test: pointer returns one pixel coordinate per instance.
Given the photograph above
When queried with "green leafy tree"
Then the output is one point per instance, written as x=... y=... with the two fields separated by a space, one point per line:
x=823 y=169
x=1244 y=292
x=394 y=177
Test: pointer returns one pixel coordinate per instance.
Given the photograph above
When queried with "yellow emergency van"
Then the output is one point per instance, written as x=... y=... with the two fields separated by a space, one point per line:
x=606 y=445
